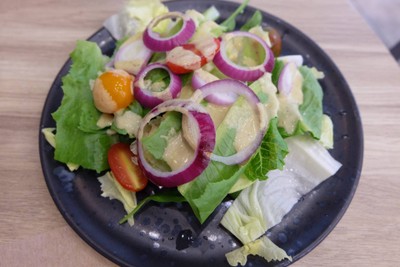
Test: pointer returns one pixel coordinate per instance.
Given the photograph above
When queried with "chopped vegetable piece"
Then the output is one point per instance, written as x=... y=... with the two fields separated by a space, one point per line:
x=113 y=190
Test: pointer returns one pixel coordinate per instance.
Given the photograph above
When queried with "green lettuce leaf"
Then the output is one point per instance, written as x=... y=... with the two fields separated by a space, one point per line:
x=208 y=190
x=230 y=22
x=276 y=72
x=162 y=197
x=79 y=140
x=327 y=132
x=267 y=93
x=156 y=142
x=261 y=247
x=269 y=156
x=254 y=21
x=311 y=108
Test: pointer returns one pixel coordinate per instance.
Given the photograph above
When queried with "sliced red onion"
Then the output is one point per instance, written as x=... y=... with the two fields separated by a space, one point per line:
x=289 y=78
x=201 y=77
x=235 y=71
x=205 y=131
x=271 y=61
x=296 y=59
x=162 y=44
x=150 y=99
x=132 y=55
x=233 y=86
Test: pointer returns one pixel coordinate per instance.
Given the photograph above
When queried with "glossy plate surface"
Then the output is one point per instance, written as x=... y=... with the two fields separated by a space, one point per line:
x=161 y=233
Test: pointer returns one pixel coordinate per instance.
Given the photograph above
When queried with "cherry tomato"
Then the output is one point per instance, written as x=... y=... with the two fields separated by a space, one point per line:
x=125 y=171
x=190 y=57
x=276 y=41
x=113 y=91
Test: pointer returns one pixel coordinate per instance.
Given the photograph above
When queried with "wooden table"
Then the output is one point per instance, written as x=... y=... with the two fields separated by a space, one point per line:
x=36 y=38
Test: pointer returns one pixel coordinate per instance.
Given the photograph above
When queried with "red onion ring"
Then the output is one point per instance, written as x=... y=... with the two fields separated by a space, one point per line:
x=201 y=77
x=130 y=52
x=287 y=78
x=235 y=71
x=205 y=131
x=233 y=86
x=296 y=59
x=150 y=99
x=159 y=44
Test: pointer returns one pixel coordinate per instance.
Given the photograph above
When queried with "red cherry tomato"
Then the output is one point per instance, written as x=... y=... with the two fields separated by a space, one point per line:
x=276 y=41
x=190 y=57
x=125 y=171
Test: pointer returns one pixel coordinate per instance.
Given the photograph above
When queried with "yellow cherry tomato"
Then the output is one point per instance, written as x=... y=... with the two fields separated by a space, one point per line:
x=113 y=90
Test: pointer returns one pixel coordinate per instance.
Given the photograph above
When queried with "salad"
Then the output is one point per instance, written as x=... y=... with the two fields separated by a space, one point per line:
x=202 y=111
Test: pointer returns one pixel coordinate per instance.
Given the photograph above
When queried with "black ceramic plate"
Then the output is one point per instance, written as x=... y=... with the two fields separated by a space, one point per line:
x=155 y=238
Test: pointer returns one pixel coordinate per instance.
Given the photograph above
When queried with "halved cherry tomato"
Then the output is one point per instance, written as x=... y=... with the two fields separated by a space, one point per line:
x=190 y=57
x=276 y=41
x=125 y=171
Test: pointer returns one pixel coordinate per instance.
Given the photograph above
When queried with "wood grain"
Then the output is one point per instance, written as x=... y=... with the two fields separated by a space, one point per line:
x=36 y=38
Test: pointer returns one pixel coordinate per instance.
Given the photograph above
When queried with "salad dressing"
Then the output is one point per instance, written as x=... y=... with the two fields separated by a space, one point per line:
x=244 y=121
x=288 y=113
x=217 y=113
x=178 y=152
x=180 y=56
x=186 y=92
x=128 y=121
x=105 y=120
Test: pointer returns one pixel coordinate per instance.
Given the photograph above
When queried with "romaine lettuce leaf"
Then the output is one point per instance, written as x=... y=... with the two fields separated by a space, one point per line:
x=78 y=139
x=261 y=247
x=208 y=190
x=269 y=156
x=266 y=91
x=156 y=142
x=311 y=108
